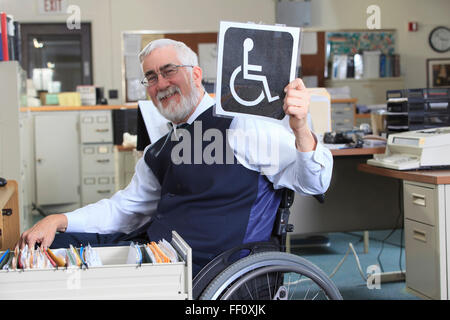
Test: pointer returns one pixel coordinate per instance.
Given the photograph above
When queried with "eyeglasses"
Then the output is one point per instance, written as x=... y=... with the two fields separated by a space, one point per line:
x=167 y=72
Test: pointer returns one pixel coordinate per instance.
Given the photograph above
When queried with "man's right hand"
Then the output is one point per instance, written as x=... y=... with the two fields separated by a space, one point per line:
x=43 y=232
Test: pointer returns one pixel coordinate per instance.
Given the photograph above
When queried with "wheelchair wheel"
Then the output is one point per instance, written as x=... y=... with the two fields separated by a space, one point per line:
x=271 y=275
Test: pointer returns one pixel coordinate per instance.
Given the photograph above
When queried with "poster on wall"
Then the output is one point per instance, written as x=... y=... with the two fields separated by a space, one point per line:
x=438 y=73
x=255 y=63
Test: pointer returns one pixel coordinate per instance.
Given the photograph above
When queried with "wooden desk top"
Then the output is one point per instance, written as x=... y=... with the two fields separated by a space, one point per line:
x=425 y=176
x=121 y=148
x=356 y=151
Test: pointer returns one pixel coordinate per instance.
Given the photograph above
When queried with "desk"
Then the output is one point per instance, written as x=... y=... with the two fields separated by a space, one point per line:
x=357 y=151
x=9 y=218
x=426 y=203
x=352 y=200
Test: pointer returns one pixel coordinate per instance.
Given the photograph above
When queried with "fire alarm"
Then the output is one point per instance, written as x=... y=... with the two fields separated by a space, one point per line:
x=412 y=26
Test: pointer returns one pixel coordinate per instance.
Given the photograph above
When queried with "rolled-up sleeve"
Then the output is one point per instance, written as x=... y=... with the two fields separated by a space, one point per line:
x=125 y=211
x=269 y=148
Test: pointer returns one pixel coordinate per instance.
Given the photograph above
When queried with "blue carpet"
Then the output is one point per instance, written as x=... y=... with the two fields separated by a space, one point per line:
x=348 y=278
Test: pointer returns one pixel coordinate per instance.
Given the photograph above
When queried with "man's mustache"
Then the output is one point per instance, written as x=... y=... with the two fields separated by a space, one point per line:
x=168 y=92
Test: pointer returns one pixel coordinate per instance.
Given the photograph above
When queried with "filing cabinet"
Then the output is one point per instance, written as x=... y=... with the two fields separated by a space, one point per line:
x=97 y=156
x=97 y=187
x=342 y=114
x=115 y=279
x=74 y=155
x=425 y=239
x=96 y=127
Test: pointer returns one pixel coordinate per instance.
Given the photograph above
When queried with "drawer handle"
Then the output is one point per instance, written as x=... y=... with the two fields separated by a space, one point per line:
x=103 y=191
x=101 y=130
x=419 y=199
x=7 y=212
x=103 y=160
x=420 y=235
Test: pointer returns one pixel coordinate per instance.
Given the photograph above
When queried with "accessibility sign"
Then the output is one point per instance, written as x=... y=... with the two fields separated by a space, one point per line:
x=255 y=63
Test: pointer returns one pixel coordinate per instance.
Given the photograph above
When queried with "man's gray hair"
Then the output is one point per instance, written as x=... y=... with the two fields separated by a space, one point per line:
x=184 y=53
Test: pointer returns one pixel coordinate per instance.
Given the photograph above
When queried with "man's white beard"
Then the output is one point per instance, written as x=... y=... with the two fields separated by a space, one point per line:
x=177 y=112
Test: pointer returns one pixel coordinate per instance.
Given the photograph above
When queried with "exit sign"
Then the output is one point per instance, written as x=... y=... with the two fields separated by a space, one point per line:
x=52 y=7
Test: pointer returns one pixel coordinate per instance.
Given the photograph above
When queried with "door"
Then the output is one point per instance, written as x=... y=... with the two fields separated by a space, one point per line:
x=57 y=159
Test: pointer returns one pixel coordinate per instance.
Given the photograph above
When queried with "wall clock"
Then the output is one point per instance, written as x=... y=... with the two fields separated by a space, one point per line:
x=439 y=39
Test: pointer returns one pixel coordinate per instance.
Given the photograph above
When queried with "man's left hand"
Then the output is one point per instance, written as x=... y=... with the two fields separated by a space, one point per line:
x=296 y=106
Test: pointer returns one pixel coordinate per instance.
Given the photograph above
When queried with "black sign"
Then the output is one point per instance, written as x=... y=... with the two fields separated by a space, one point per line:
x=256 y=63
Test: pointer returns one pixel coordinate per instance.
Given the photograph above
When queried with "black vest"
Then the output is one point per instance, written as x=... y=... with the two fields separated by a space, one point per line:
x=214 y=207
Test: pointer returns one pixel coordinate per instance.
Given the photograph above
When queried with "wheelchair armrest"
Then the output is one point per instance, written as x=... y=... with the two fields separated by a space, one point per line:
x=287 y=198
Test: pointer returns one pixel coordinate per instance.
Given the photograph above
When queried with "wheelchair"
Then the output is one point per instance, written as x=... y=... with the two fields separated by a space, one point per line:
x=264 y=270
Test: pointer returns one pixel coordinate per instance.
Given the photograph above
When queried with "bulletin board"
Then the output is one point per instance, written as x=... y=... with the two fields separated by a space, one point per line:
x=351 y=42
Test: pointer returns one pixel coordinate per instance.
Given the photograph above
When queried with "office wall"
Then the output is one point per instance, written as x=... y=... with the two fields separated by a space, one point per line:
x=395 y=14
x=110 y=18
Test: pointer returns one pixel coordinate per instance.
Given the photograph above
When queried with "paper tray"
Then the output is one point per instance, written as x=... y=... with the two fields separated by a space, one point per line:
x=114 y=280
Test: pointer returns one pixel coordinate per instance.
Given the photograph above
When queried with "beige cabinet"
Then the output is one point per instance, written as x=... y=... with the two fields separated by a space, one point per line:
x=16 y=144
x=74 y=158
x=97 y=156
x=57 y=159
x=426 y=210
x=343 y=114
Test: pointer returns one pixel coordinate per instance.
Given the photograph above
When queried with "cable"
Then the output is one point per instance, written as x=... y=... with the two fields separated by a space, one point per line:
x=338 y=266
x=350 y=247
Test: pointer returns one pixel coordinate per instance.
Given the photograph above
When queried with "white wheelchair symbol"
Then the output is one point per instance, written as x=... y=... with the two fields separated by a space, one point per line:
x=248 y=46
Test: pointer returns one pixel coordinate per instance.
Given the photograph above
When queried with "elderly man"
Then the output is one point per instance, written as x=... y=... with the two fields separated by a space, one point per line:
x=213 y=206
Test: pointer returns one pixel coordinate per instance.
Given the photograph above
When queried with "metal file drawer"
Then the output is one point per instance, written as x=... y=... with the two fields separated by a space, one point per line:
x=96 y=187
x=114 y=280
x=338 y=108
x=422 y=259
x=341 y=124
x=420 y=202
x=97 y=158
x=341 y=114
x=96 y=127
x=342 y=106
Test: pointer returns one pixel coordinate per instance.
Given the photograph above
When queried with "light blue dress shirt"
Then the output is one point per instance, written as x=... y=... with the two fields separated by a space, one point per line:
x=268 y=147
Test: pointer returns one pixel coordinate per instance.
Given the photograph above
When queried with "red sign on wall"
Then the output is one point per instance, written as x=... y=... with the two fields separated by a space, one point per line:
x=52 y=6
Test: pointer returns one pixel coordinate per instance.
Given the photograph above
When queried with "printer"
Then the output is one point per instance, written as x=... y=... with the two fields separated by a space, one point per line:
x=420 y=149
